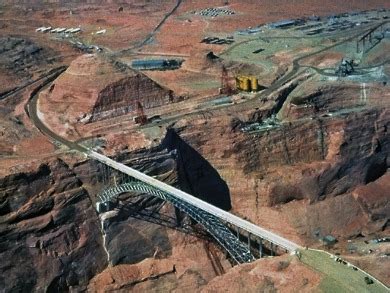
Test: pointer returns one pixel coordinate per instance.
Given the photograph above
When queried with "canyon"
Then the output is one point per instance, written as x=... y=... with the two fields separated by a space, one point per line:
x=306 y=157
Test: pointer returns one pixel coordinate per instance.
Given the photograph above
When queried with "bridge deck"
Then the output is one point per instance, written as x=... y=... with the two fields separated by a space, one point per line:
x=221 y=214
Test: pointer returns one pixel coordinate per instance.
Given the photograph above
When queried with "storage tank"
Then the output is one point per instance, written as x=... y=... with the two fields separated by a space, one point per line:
x=243 y=83
x=246 y=85
x=238 y=83
x=254 y=84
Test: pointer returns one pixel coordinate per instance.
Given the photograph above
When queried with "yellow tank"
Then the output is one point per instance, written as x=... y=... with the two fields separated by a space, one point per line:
x=238 y=83
x=254 y=84
x=246 y=85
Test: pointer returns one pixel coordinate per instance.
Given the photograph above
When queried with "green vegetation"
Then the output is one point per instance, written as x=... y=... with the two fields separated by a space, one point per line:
x=338 y=277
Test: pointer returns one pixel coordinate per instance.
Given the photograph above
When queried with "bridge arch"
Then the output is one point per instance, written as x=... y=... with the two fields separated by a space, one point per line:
x=237 y=250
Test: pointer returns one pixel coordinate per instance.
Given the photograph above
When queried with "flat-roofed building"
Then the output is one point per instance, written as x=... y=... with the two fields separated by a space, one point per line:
x=156 y=64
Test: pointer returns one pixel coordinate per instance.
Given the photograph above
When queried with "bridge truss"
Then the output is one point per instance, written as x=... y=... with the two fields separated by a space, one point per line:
x=213 y=225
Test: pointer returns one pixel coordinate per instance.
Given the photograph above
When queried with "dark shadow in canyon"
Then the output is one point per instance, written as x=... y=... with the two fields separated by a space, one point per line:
x=196 y=175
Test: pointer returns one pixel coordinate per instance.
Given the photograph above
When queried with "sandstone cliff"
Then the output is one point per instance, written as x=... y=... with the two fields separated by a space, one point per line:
x=94 y=88
x=50 y=234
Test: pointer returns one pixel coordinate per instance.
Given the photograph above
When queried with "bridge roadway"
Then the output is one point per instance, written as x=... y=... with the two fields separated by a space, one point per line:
x=183 y=196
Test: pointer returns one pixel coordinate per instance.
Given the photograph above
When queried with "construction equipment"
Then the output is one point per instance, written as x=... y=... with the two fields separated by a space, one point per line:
x=140 y=117
x=346 y=67
x=247 y=83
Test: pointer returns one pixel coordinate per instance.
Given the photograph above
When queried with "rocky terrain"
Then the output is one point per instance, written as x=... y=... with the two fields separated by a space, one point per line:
x=94 y=89
x=20 y=58
x=48 y=217
x=322 y=172
x=320 y=168
x=50 y=234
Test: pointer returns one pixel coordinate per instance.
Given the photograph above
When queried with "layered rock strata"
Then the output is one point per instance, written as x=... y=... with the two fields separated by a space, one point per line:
x=94 y=88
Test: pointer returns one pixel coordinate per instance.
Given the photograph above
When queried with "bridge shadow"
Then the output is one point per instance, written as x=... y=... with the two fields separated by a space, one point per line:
x=196 y=175
x=148 y=208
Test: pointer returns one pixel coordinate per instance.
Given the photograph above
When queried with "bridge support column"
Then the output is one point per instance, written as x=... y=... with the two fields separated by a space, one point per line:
x=238 y=233
x=272 y=249
x=249 y=241
x=261 y=247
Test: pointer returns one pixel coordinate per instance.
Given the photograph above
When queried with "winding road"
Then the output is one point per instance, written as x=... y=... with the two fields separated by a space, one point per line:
x=151 y=35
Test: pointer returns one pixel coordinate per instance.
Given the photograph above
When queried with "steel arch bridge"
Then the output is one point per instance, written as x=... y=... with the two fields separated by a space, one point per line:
x=220 y=232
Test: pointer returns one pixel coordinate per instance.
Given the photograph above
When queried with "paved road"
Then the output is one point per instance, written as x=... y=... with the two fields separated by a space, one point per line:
x=150 y=36
x=32 y=112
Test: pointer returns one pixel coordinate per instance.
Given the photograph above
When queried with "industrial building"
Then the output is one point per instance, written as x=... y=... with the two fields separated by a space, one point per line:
x=156 y=64
x=214 y=12
x=58 y=30
x=283 y=23
x=217 y=41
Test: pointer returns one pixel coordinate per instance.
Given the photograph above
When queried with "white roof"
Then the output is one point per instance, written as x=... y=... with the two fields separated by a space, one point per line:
x=101 y=32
